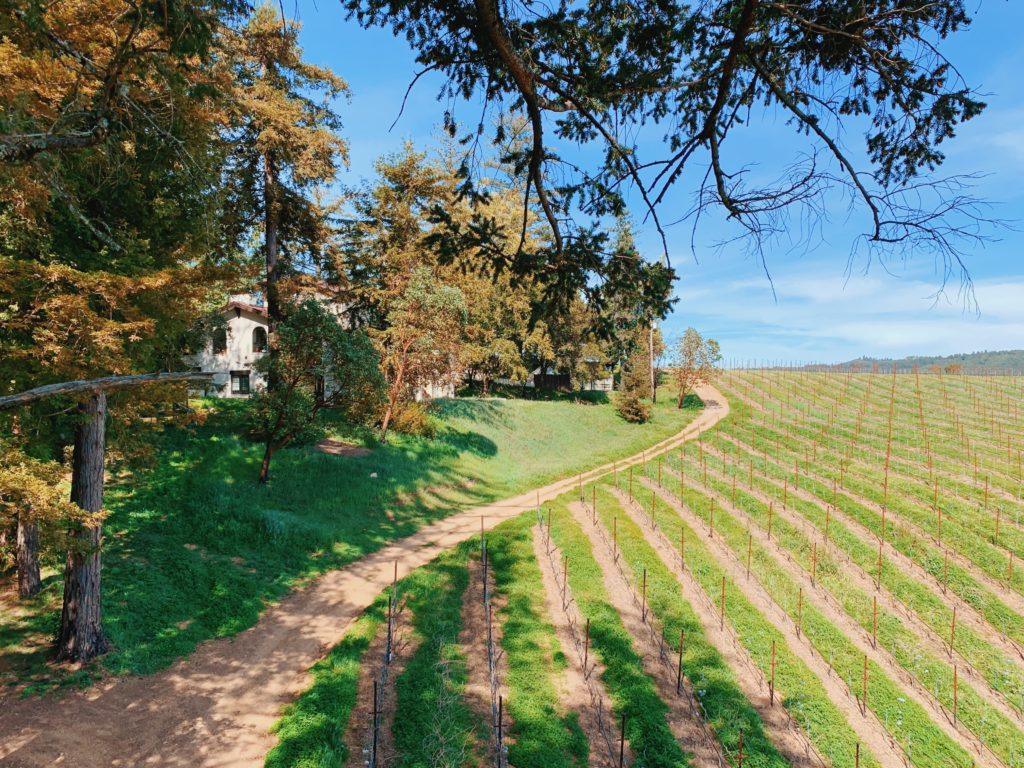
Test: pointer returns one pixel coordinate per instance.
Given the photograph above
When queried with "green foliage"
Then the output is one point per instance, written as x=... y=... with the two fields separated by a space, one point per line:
x=414 y=419
x=630 y=407
x=317 y=364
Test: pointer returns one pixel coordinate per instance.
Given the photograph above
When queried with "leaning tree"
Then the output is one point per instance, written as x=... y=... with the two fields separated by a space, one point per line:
x=661 y=87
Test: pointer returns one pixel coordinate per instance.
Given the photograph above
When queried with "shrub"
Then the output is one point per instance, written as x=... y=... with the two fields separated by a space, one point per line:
x=414 y=419
x=632 y=408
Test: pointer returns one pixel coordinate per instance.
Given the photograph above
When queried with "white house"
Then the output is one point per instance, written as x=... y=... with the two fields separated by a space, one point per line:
x=234 y=349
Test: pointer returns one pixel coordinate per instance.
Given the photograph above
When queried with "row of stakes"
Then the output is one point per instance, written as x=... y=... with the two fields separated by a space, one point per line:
x=682 y=634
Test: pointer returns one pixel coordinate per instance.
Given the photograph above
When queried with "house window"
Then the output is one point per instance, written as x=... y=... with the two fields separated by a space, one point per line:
x=220 y=341
x=239 y=382
x=259 y=339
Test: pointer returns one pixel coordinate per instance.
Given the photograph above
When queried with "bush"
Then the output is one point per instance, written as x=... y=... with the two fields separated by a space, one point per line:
x=414 y=419
x=632 y=408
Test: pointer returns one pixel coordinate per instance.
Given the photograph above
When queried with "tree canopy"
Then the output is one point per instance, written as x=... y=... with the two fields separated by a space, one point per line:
x=693 y=75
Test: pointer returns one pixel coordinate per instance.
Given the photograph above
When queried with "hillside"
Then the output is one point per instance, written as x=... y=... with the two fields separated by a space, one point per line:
x=1002 y=361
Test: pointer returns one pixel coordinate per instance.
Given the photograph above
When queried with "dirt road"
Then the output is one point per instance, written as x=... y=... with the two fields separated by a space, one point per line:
x=215 y=708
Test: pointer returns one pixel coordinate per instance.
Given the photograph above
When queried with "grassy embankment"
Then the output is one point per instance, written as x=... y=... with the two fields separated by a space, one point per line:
x=196 y=549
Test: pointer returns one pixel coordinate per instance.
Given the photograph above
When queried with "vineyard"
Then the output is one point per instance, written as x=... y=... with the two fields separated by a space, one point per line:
x=828 y=576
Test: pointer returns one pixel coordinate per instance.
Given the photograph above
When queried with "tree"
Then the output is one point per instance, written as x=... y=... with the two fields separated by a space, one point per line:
x=284 y=145
x=422 y=340
x=108 y=241
x=319 y=364
x=695 y=363
x=31 y=499
x=697 y=74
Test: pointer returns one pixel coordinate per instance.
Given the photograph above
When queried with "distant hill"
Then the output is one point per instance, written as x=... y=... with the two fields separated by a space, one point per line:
x=1005 y=361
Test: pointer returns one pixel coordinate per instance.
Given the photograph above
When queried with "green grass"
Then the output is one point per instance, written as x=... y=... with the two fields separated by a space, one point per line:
x=542 y=734
x=907 y=722
x=715 y=685
x=633 y=693
x=196 y=549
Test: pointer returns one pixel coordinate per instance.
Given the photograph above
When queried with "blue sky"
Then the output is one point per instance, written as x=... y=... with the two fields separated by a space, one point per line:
x=825 y=307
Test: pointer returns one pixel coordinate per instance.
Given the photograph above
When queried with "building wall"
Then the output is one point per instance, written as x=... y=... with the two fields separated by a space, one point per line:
x=239 y=355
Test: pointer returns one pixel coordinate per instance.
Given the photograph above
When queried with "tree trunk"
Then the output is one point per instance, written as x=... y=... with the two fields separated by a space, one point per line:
x=29 y=582
x=265 y=465
x=650 y=360
x=81 y=635
x=271 y=216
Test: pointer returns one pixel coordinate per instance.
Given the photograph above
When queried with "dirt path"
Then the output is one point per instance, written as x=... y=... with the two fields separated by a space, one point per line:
x=763 y=600
x=685 y=723
x=215 y=708
x=585 y=695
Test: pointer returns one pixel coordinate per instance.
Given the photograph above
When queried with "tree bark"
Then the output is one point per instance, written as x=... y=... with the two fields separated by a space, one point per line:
x=29 y=582
x=271 y=221
x=81 y=635
x=268 y=452
x=650 y=361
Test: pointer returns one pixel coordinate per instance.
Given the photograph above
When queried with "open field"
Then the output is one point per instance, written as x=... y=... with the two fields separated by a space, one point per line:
x=829 y=576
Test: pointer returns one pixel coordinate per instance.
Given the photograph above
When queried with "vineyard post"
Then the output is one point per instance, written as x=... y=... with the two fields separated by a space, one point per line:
x=711 y=518
x=615 y=474
x=734 y=489
x=615 y=538
x=750 y=479
x=856 y=756
x=679 y=668
x=586 y=649
x=501 y=713
x=593 y=501
x=785 y=493
x=579 y=484
x=549 y=529
x=828 y=518
x=643 y=603
x=771 y=508
x=721 y=624
x=771 y=682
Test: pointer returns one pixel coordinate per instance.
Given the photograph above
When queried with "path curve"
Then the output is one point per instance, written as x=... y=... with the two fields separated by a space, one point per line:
x=215 y=708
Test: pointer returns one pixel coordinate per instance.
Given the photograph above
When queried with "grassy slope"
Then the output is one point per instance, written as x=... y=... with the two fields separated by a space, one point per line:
x=196 y=549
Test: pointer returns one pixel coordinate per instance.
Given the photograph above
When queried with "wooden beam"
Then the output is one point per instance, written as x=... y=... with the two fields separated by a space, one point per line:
x=104 y=384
